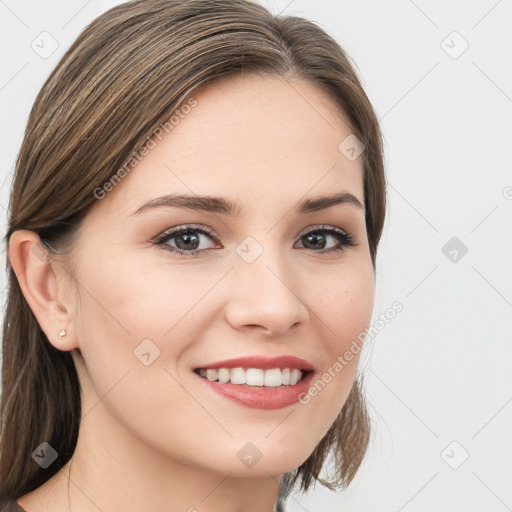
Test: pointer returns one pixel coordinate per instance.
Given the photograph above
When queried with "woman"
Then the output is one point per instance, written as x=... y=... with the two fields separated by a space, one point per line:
x=192 y=240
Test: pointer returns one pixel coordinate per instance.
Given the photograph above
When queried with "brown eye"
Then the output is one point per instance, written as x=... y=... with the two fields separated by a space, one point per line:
x=186 y=239
x=317 y=239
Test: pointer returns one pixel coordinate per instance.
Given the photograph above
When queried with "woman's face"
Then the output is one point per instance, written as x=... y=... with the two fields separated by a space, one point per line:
x=258 y=281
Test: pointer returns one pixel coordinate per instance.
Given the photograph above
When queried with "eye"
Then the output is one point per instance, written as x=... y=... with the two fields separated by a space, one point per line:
x=186 y=240
x=319 y=236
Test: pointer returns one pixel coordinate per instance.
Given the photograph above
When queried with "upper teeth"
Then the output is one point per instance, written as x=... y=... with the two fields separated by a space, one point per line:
x=254 y=376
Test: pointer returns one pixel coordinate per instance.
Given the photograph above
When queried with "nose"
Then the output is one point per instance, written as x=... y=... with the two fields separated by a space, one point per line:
x=264 y=295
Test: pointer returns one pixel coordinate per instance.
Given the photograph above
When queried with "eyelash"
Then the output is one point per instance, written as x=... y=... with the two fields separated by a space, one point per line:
x=346 y=239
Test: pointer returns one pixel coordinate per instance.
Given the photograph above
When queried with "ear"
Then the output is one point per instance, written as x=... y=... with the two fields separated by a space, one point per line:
x=42 y=283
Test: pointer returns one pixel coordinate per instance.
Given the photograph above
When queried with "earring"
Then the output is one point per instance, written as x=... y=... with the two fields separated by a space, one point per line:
x=62 y=333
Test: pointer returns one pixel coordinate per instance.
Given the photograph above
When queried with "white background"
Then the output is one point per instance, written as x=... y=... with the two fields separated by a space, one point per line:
x=441 y=370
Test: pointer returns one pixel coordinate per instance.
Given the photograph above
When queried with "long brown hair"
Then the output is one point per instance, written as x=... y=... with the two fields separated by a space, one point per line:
x=123 y=77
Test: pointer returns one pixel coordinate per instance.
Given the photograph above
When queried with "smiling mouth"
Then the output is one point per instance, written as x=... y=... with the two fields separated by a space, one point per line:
x=254 y=377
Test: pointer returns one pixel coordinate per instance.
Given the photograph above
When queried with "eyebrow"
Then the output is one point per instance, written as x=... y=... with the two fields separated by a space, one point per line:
x=226 y=207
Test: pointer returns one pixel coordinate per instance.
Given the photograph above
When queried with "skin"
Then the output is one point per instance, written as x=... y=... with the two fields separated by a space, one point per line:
x=162 y=439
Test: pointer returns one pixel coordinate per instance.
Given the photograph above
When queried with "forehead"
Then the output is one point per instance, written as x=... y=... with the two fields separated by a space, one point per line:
x=247 y=138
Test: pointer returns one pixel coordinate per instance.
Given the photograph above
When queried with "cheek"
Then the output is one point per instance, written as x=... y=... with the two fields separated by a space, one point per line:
x=343 y=301
x=137 y=297
x=125 y=315
x=135 y=312
x=344 y=310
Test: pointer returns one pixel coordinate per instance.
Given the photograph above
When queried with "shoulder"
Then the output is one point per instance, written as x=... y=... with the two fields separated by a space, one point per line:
x=10 y=505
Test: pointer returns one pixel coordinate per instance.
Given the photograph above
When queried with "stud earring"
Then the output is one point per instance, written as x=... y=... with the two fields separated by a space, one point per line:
x=62 y=333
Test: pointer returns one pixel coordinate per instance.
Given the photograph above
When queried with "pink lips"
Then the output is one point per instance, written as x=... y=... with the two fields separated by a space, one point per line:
x=262 y=397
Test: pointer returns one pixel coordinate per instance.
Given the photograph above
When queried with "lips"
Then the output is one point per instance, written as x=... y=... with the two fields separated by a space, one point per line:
x=270 y=394
x=261 y=397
